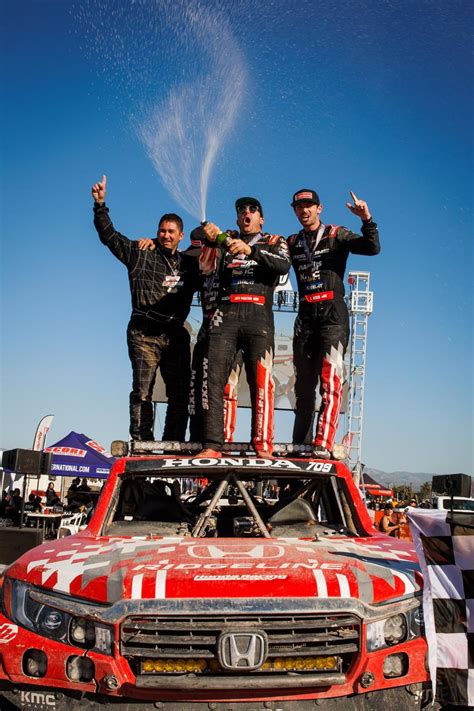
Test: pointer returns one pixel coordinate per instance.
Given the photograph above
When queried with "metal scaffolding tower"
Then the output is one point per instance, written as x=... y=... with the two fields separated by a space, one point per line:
x=360 y=305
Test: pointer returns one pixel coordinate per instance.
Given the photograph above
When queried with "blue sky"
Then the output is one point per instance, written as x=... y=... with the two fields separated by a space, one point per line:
x=371 y=96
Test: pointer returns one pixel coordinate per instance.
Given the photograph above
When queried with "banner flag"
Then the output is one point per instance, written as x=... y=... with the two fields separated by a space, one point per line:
x=444 y=542
x=41 y=432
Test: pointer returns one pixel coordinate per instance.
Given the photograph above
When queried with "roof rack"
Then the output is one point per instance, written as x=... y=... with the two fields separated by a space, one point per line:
x=121 y=448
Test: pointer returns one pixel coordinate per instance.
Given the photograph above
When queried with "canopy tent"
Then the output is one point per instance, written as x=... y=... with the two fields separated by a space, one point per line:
x=373 y=488
x=79 y=455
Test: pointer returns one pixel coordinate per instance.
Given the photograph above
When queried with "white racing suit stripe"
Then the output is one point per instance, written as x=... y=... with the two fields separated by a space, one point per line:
x=263 y=437
x=332 y=378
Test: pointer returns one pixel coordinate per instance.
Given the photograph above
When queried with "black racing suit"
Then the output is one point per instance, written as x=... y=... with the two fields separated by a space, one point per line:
x=199 y=364
x=322 y=325
x=243 y=320
x=162 y=286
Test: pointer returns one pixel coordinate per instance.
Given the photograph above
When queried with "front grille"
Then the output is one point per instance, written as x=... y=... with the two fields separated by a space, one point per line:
x=196 y=637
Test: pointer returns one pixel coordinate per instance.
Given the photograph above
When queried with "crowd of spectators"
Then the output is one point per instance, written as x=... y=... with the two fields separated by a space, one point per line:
x=79 y=498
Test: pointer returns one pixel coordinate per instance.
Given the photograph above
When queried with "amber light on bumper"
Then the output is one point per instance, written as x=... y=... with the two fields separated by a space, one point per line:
x=150 y=666
x=301 y=664
x=277 y=664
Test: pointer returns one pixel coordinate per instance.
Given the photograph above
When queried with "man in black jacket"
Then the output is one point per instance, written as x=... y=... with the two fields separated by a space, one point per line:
x=162 y=283
x=319 y=254
x=247 y=267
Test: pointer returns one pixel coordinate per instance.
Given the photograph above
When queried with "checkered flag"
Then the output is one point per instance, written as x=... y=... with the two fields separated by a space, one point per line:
x=445 y=545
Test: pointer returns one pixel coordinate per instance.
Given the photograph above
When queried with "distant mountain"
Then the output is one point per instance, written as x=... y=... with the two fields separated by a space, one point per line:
x=415 y=479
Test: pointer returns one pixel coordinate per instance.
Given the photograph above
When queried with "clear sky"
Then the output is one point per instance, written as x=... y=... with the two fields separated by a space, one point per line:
x=373 y=96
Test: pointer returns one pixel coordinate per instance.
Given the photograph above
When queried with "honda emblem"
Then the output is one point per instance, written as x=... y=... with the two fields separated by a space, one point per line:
x=242 y=650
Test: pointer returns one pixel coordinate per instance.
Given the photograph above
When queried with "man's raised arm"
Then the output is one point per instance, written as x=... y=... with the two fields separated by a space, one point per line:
x=99 y=191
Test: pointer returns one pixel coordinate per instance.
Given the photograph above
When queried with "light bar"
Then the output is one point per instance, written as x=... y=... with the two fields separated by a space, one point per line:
x=120 y=448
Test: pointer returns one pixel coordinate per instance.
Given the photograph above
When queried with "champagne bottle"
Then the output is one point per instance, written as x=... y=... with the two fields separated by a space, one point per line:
x=223 y=239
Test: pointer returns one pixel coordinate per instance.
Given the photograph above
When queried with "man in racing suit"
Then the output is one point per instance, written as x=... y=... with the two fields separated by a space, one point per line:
x=162 y=283
x=319 y=254
x=199 y=363
x=247 y=267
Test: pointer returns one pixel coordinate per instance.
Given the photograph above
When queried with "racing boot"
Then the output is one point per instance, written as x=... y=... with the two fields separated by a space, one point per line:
x=264 y=454
x=320 y=452
x=208 y=454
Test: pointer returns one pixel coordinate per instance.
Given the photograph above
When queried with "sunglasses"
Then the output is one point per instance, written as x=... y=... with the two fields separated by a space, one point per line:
x=250 y=208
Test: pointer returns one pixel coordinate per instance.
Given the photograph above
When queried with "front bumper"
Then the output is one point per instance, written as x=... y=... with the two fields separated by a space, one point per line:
x=26 y=698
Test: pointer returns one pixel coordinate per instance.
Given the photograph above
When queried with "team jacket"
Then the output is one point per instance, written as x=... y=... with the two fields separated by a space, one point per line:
x=245 y=278
x=161 y=284
x=319 y=258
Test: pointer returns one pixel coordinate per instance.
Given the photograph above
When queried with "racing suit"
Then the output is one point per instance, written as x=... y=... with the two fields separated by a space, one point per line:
x=243 y=320
x=321 y=329
x=199 y=364
x=162 y=286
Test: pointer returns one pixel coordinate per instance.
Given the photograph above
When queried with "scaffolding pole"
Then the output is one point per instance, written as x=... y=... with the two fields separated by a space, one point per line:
x=360 y=305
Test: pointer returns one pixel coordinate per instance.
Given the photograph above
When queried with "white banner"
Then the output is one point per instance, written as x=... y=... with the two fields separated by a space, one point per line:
x=41 y=432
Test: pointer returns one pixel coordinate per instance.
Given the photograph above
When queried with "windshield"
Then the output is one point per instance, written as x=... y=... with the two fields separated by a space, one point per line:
x=227 y=505
x=459 y=504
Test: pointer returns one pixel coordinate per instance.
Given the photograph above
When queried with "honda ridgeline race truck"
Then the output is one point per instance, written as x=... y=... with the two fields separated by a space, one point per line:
x=232 y=598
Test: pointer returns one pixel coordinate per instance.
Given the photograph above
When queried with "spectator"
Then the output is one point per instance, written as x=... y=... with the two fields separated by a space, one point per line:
x=51 y=496
x=17 y=499
x=72 y=490
x=30 y=504
x=4 y=504
x=12 y=507
x=84 y=486
x=387 y=524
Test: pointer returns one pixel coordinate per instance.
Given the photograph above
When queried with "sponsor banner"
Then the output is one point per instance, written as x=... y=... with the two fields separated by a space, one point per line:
x=241 y=462
x=42 y=430
x=67 y=451
x=74 y=468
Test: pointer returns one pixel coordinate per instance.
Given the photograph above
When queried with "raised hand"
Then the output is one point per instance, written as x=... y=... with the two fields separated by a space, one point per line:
x=211 y=231
x=359 y=208
x=99 y=190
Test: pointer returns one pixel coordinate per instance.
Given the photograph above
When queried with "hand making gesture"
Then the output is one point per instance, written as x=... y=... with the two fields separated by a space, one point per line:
x=99 y=190
x=359 y=208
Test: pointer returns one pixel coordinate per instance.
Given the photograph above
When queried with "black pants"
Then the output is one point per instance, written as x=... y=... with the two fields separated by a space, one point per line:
x=166 y=348
x=320 y=340
x=249 y=328
x=198 y=392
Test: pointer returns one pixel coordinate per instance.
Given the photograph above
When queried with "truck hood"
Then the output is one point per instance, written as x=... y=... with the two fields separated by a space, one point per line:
x=105 y=570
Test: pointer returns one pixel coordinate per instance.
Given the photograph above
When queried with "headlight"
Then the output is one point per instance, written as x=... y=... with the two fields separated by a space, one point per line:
x=395 y=629
x=385 y=633
x=54 y=622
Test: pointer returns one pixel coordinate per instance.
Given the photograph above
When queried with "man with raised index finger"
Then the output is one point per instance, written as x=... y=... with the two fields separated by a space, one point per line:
x=162 y=282
x=319 y=254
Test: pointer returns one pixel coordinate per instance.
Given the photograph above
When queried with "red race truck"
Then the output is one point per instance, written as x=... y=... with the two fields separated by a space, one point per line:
x=268 y=588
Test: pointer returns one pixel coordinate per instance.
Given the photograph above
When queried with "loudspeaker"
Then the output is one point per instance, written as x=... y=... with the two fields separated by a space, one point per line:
x=16 y=541
x=27 y=461
x=452 y=485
